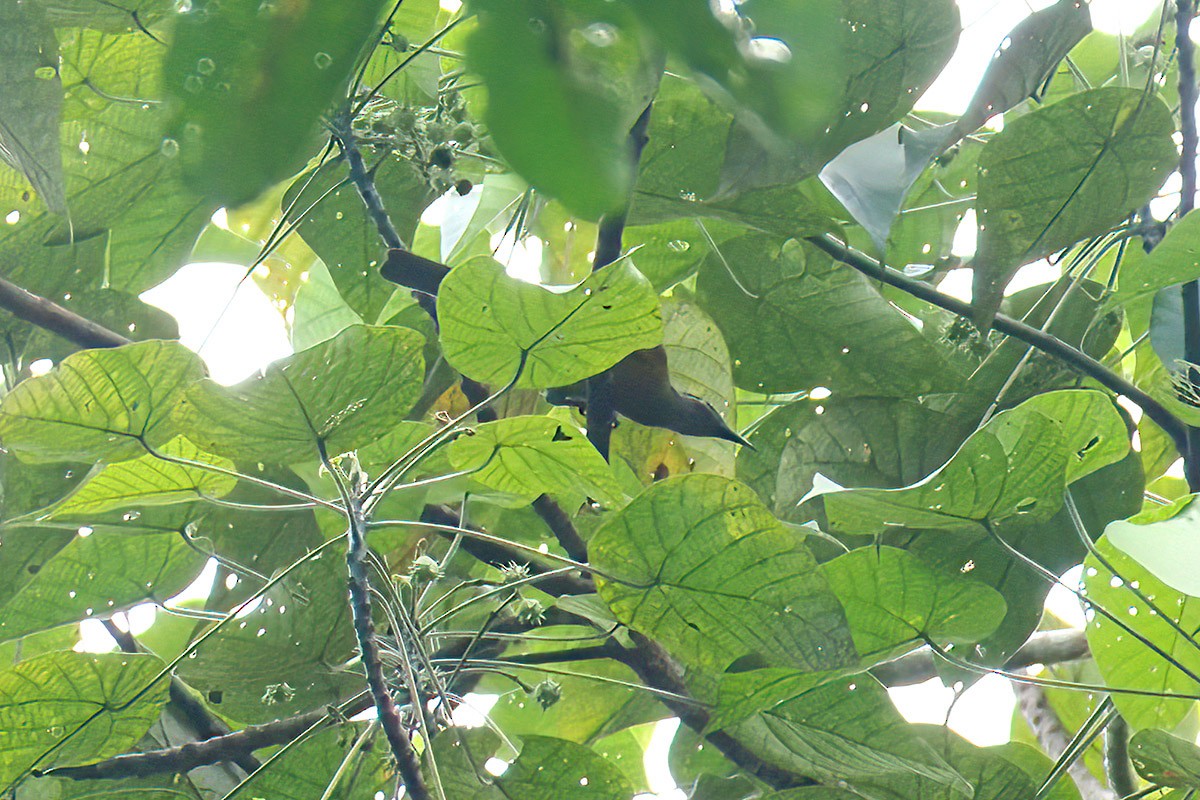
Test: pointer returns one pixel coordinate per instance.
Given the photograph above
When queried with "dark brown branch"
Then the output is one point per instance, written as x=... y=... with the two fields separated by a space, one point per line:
x=595 y=652
x=241 y=744
x=364 y=181
x=1047 y=343
x=500 y=556
x=656 y=668
x=1184 y=11
x=601 y=407
x=1117 y=766
x=1048 y=647
x=561 y=526
x=204 y=724
x=1054 y=739
x=230 y=747
x=388 y=713
x=649 y=660
x=52 y=317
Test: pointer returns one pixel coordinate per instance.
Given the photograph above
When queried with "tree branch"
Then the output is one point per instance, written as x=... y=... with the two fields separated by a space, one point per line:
x=205 y=725
x=561 y=526
x=52 y=317
x=1184 y=11
x=401 y=263
x=1117 y=765
x=364 y=181
x=1054 y=739
x=231 y=747
x=241 y=744
x=1049 y=647
x=407 y=763
x=499 y=556
x=656 y=668
x=1047 y=343
x=601 y=406
x=600 y=651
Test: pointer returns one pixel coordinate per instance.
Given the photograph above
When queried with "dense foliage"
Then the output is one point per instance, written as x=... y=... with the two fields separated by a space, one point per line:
x=712 y=191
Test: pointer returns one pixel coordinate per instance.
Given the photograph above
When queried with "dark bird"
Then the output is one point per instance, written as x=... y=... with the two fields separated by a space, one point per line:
x=641 y=382
x=642 y=391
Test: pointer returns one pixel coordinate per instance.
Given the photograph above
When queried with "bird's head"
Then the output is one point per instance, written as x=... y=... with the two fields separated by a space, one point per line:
x=701 y=419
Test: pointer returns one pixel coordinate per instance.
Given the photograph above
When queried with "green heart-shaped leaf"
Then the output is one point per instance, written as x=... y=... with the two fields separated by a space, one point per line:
x=492 y=324
x=99 y=404
x=342 y=392
x=700 y=563
x=529 y=456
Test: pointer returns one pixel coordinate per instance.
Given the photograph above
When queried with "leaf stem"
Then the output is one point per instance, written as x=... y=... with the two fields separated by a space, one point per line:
x=1052 y=735
x=1047 y=343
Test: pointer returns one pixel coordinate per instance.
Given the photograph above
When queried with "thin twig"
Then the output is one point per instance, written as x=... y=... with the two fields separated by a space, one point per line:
x=1047 y=343
x=52 y=317
x=446 y=521
x=255 y=737
x=407 y=762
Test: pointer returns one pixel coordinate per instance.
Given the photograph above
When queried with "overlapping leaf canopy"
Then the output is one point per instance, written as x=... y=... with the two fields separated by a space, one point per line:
x=917 y=481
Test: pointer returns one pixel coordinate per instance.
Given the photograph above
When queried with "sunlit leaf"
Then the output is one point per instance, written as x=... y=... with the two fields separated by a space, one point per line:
x=286 y=655
x=111 y=16
x=494 y=325
x=529 y=456
x=86 y=705
x=894 y=602
x=149 y=480
x=1063 y=173
x=99 y=571
x=1163 y=540
x=590 y=707
x=1006 y=772
x=718 y=579
x=313 y=764
x=322 y=395
x=1175 y=260
x=1015 y=468
x=767 y=295
x=838 y=731
x=555 y=769
x=99 y=404
x=1147 y=648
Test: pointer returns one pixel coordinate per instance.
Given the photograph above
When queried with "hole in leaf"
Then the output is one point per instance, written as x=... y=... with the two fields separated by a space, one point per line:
x=1091 y=445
